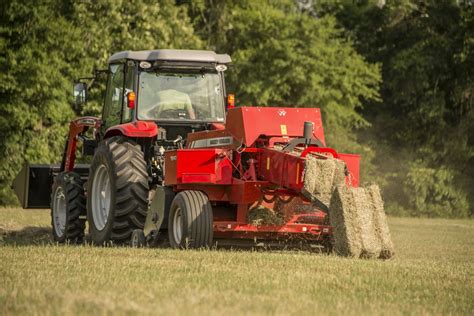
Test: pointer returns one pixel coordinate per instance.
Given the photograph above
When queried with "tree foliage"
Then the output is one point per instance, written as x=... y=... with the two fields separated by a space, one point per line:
x=46 y=46
x=285 y=57
x=394 y=79
x=423 y=131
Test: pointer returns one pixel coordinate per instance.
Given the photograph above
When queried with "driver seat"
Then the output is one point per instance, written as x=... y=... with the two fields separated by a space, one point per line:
x=172 y=101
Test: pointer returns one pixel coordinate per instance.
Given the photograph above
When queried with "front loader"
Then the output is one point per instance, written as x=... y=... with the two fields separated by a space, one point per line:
x=173 y=160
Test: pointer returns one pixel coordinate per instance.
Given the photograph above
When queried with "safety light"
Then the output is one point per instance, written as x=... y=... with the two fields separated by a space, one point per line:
x=230 y=101
x=131 y=100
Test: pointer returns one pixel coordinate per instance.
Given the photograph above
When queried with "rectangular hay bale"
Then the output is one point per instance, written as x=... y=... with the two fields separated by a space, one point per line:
x=343 y=218
x=381 y=224
x=322 y=176
x=370 y=242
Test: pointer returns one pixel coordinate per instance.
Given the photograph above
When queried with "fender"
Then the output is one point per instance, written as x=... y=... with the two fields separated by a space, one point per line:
x=141 y=129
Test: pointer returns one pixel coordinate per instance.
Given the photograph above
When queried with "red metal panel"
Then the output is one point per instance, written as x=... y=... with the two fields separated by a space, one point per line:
x=198 y=178
x=281 y=168
x=247 y=231
x=205 y=135
x=285 y=170
x=245 y=192
x=353 y=162
x=246 y=124
x=207 y=166
x=214 y=192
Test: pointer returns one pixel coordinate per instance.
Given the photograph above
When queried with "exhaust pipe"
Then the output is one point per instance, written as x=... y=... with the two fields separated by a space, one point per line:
x=308 y=132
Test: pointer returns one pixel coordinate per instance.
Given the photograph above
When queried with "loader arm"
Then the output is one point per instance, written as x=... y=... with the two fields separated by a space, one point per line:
x=77 y=128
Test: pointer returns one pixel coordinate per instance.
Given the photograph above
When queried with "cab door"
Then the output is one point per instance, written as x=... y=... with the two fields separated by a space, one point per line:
x=114 y=95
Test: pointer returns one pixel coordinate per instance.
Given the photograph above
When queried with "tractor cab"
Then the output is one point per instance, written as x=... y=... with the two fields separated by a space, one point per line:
x=180 y=90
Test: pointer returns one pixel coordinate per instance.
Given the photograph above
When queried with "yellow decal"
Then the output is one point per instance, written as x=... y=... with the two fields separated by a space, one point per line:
x=268 y=163
x=283 y=129
x=297 y=173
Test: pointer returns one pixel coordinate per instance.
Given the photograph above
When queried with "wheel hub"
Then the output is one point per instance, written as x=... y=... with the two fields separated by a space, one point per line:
x=178 y=225
x=59 y=212
x=100 y=197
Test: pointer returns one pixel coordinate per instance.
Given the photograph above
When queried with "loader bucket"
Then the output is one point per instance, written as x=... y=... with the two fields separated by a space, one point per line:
x=33 y=184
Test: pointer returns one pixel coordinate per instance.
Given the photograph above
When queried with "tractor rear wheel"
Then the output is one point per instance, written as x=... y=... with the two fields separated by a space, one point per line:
x=68 y=203
x=190 y=223
x=117 y=191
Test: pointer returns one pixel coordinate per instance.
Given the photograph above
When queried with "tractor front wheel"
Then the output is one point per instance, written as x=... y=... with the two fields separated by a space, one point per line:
x=117 y=195
x=67 y=205
x=190 y=221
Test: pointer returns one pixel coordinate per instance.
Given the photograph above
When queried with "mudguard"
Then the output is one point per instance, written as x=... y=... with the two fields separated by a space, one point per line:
x=137 y=129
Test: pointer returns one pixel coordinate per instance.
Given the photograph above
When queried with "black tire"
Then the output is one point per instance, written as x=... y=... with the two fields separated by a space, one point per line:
x=138 y=239
x=68 y=190
x=126 y=172
x=196 y=220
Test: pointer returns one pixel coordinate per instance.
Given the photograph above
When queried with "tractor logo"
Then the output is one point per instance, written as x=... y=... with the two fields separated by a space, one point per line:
x=281 y=112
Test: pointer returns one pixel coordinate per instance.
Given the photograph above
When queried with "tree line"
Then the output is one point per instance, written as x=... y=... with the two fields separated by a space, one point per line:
x=394 y=79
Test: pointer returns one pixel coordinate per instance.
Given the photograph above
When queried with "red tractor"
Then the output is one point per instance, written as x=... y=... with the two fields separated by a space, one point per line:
x=173 y=159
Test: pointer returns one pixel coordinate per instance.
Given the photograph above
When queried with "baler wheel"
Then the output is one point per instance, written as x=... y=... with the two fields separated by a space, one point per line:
x=117 y=199
x=67 y=204
x=190 y=223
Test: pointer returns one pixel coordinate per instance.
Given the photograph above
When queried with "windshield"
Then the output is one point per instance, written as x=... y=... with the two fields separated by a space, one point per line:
x=180 y=96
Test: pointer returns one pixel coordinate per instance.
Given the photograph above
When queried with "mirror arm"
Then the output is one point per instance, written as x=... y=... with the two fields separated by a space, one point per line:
x=92 y=79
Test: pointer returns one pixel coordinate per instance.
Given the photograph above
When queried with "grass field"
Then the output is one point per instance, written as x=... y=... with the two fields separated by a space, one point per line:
x=432 y=273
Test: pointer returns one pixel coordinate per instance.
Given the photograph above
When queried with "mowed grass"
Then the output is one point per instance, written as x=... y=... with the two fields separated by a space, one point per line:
x=432 y=273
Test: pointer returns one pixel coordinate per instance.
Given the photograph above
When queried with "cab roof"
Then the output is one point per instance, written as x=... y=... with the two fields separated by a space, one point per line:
x=178 y=55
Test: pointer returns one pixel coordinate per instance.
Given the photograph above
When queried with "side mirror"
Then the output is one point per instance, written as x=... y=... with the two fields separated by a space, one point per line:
x=80 y=93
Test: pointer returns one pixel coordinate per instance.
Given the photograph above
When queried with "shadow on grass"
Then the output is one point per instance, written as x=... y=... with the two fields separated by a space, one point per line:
x=37 y=236
x=27 y=236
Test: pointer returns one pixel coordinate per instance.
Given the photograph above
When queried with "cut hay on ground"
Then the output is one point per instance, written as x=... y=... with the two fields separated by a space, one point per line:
x=294 y=207
x=380 y=221
x=260 y=216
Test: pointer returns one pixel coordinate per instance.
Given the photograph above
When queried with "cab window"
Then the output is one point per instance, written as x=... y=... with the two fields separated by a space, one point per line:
x=127 y=113
x=114 y=96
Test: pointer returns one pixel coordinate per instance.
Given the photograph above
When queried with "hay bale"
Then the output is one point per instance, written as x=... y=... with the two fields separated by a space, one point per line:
x=322 y=176
x=339 y=173
x=370 y=242
x=380 y=221
x=260 y=216
x=343 y=218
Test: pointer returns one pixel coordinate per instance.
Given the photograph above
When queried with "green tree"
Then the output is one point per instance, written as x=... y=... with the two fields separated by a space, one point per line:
x=34 y=86
x=46 y=45
x=425 y=49
x=285 y=57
